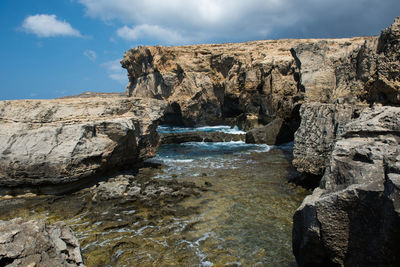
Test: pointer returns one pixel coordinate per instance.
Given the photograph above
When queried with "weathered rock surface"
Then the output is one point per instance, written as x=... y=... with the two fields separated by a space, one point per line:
x=177 y=138
x=49 y=142
x=274 y=133
x=33 y=243
x=248 y=84
x=353 y=218
x=316 y=136
x=353 y=77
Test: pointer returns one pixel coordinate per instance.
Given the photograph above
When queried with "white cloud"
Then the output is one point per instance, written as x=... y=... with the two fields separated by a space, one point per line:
x=153 y=32
x=115 y=71
x=192 y=21
x=90 y=54
x=44 y=25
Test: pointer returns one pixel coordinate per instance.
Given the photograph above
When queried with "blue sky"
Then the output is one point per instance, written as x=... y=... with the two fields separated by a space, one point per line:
x=53 y=48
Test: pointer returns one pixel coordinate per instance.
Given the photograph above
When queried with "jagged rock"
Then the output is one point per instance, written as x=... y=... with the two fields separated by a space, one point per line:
x=365 y=75
x=177 y=138
x=352 y=219
x=318 y=63
x=247 y=84
x=50 y=142
x=315 y=138
x=33 y=243
x=274 y=133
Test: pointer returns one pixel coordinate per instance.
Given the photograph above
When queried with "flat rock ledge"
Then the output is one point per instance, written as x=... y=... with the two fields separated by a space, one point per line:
x=45 y=143
x=33 y=243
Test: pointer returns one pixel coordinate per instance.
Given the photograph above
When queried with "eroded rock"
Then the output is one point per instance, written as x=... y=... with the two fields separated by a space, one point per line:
x=246 y=84
x=352 y=218
x=50 y=142
x=33 y=243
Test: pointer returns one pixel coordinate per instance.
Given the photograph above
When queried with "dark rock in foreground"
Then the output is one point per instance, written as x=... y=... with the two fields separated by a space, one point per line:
x=33 y=243
x=177 y=138
x=353 y=218
x=51 y=142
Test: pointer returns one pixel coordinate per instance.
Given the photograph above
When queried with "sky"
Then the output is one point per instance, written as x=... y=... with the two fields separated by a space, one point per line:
x=55 y=48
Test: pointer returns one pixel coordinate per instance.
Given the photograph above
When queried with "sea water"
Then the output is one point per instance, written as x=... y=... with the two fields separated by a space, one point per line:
x=244 y=219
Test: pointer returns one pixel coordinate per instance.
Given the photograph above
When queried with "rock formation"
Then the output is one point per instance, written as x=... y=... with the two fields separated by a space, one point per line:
x=360 y=77
x=33 y=243
x=352 y=218
x=247 y=84
x=50 y=142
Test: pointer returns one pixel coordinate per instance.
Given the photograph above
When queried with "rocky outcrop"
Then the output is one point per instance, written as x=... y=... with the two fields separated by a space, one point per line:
x=33 y=243
x=247 y=84
x=349 y=80
x=177 y=138
x=51 y=142
x=352 y=219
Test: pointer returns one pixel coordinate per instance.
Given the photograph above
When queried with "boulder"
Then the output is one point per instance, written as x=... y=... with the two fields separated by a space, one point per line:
x=33 y=243
x=274 y=133
x=56 y=142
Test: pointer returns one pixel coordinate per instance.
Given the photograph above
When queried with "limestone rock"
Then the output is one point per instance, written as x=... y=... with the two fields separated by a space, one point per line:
x=352 y=219
x=50 y=142
x=247 y=84
x=315 y=138
x=33 y=243
x=274 y=133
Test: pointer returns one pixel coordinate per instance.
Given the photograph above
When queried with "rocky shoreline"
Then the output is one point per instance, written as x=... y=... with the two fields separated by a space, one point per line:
x=336 y=98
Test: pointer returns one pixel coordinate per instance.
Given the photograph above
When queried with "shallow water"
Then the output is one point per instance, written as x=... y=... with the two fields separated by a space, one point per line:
x=244 y=219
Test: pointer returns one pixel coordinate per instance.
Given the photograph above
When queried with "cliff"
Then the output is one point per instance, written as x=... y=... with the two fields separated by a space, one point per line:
x=248 y=84
x=352 y=218
x=44 y=143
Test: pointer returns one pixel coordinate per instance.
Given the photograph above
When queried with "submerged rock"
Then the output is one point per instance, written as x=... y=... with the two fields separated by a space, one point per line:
x=146 y=191
x=33 y=243
x=52 y=142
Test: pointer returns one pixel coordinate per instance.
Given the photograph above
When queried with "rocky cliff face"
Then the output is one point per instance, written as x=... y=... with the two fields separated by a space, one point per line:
x=352 y=218
x=248 y=84
x=50 y=142
x=360 y=77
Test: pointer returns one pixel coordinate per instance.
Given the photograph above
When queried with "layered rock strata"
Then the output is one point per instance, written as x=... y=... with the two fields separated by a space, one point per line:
x=33 y=243
x=50 y=142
